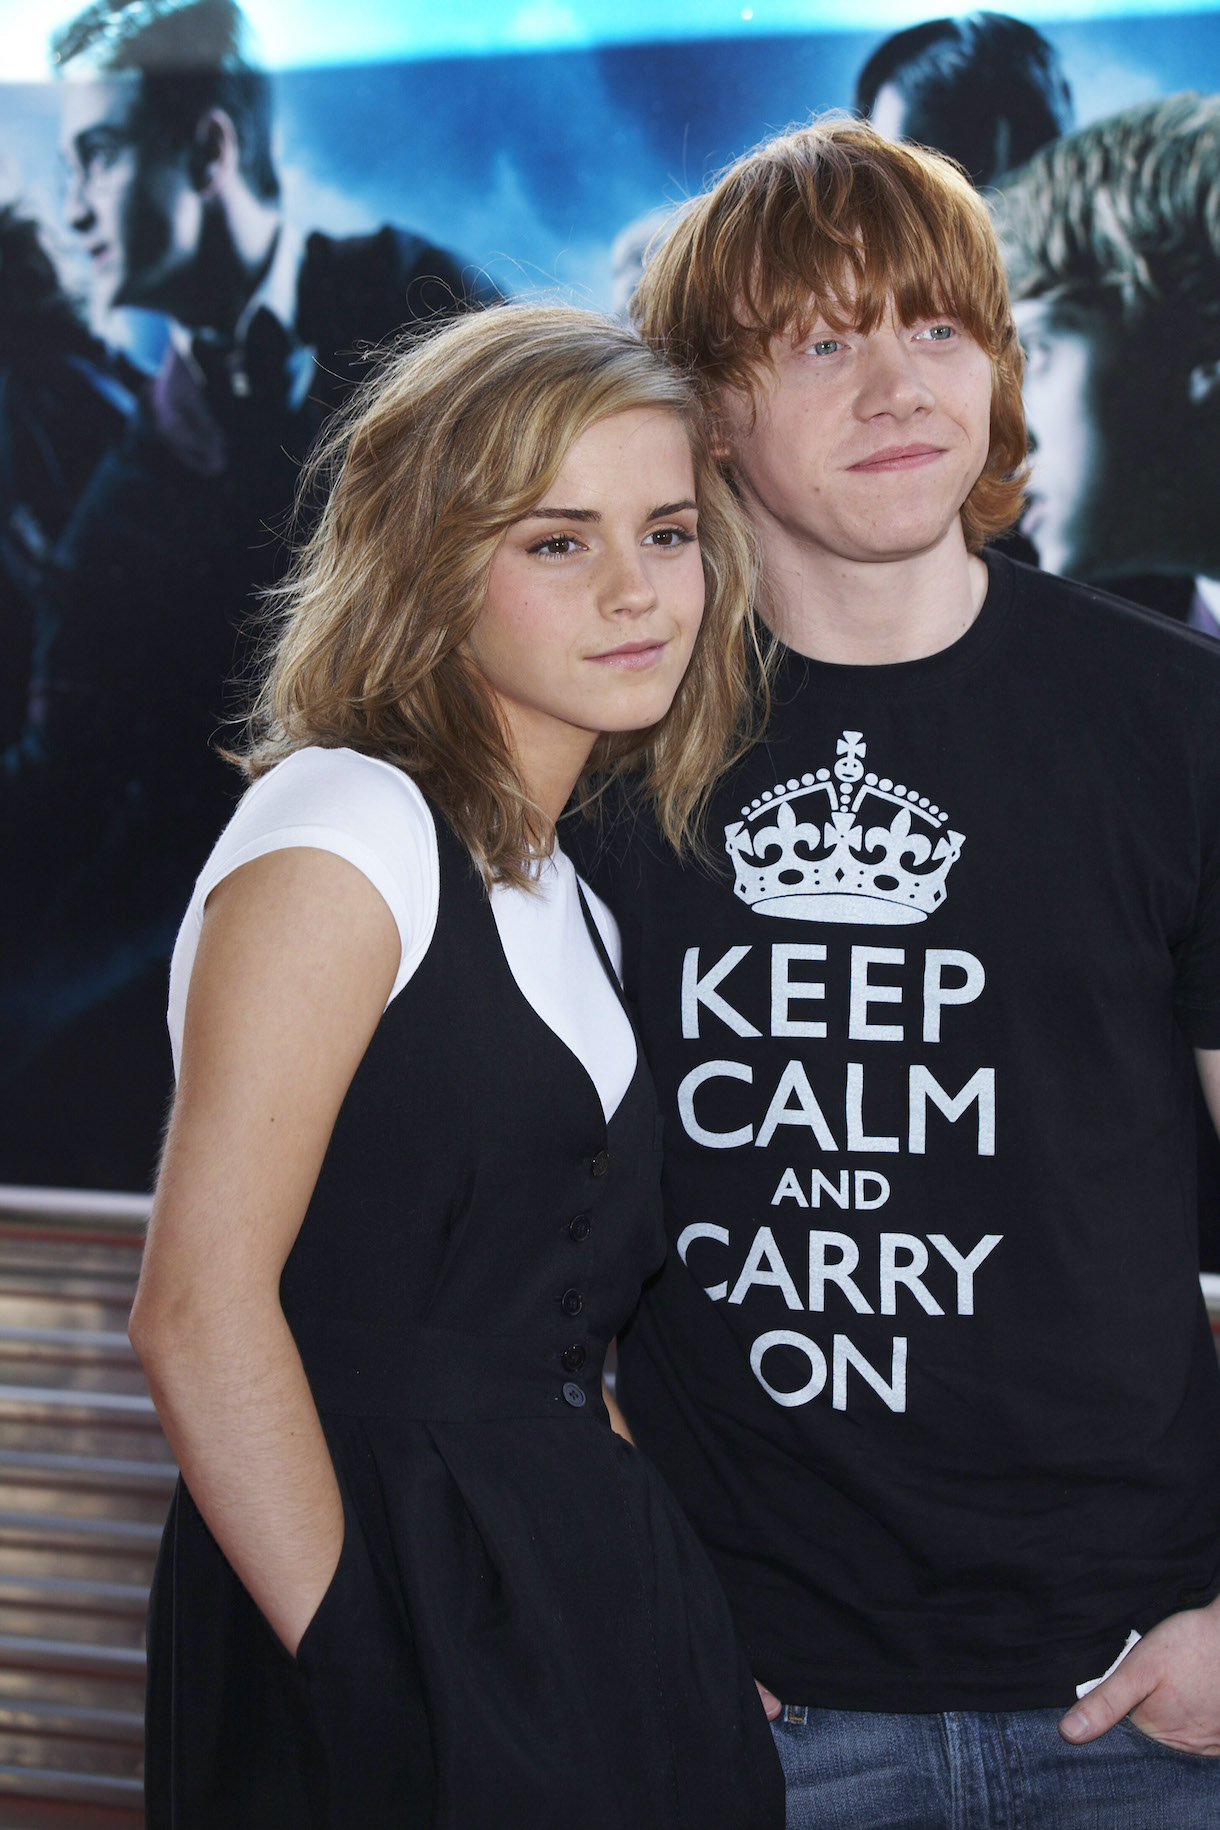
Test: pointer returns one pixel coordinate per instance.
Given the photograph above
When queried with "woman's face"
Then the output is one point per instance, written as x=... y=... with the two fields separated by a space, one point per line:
x=595 y=597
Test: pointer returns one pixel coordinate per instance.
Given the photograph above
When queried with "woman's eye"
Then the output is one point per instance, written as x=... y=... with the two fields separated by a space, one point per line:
x=670 y=537
x=556 y=546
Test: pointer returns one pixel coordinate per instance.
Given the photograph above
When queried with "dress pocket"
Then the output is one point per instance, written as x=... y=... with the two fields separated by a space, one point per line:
x=305 y=1658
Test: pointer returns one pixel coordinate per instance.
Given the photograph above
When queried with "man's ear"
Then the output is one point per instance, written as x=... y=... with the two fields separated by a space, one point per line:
x=215 y=153
x=728 y=406
x=1001 y=150
x=1203 y=382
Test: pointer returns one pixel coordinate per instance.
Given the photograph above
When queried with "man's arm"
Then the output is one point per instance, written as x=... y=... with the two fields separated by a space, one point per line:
x=1169 y=1684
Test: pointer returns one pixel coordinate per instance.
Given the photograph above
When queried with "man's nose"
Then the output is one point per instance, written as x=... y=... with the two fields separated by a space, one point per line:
x=891 y=381
x=78 y=210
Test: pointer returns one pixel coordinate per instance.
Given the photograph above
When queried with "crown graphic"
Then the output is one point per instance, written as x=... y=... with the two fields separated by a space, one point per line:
x=843 y=845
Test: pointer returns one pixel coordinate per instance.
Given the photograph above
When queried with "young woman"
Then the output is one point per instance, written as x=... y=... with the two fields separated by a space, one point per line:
x=410 y=1187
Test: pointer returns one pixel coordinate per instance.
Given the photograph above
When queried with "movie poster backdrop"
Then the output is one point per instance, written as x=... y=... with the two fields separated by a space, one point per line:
x=135 y=531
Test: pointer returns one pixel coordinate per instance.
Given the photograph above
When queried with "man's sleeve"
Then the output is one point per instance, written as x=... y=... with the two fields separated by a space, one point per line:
x=1197 y=984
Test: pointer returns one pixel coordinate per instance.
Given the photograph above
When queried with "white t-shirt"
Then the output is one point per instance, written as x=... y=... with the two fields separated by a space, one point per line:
x=375 y=817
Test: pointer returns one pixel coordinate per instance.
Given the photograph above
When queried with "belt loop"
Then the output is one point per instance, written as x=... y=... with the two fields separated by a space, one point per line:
x=795 y=1712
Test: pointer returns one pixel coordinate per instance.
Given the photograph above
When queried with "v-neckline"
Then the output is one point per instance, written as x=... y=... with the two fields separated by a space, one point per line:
x=603 y=959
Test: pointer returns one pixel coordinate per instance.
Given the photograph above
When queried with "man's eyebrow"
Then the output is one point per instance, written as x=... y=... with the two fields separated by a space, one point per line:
x=97 y=139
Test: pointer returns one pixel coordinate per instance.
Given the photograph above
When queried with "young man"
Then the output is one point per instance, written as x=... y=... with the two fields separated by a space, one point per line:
x=174 y=196
x=928 y=1362
x=988 y=90
x=1112 y=242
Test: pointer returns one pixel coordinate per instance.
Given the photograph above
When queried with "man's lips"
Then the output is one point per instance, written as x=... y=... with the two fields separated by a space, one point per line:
x=630 y=656
x=899 y=457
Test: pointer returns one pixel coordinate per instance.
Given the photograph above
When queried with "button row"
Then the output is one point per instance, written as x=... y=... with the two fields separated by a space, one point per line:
x=572 y=1302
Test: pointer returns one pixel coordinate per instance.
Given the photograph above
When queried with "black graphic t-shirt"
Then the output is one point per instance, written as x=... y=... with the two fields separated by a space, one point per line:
x=928 y=1363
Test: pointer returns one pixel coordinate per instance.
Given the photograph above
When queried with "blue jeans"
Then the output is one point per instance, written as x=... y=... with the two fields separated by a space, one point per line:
x=969 y=1770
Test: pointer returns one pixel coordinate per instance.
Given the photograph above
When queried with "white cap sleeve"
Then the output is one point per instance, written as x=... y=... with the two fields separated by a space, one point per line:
x=358 y=807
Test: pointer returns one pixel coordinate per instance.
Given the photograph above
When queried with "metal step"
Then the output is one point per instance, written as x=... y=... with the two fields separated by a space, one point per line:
x=73 y=1757
x=20 y=1401
x=25 y=1653
x=76 y=1343
x=85 y=1479
x=88 y=1788
x=34 y=1307
x=45 y=1814
x=90 y=1359
x=42 y=1419
x=89 y=1208
x=73 y=1612
x=106 y=1473
x=65 y=1689
x=125 y=1725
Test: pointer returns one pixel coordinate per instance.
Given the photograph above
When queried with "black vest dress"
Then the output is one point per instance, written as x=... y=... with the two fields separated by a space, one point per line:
x=522 y=1632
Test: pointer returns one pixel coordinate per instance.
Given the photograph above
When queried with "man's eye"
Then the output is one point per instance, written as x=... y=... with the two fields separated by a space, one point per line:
x=825 y=346
x=939 y=333
x=99 y=154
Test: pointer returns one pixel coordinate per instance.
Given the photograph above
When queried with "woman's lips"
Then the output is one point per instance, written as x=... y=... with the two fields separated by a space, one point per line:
x=631 y=656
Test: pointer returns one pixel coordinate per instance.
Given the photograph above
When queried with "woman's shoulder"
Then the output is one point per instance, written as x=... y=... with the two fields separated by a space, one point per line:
x=332 y=786
x=364 y=809
x=357 y=807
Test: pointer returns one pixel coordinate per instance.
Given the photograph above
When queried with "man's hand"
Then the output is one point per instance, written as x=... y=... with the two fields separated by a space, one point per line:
x=1169 y=1685
x=770 y=1702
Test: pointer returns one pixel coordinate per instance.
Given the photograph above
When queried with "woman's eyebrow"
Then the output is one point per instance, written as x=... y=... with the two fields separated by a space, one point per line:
x=561 y=514
x=594 y=514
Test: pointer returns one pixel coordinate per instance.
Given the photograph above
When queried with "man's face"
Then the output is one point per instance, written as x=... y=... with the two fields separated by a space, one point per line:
x=862 y=447
x=132 y=205
x=1106 y=404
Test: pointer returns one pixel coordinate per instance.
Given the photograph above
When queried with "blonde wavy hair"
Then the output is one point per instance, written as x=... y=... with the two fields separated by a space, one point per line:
x=833 y=220
x=455 y=436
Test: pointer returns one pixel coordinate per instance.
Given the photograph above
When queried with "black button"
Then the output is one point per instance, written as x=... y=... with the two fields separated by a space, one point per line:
x=579 y=1228
x=571 y=1302
x=574 y=1357
x=574 y=1394
x=600 y=1163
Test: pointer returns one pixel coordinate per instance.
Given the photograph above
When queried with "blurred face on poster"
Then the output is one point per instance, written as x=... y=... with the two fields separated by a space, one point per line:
x=1123 y=436
x=130 y=201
